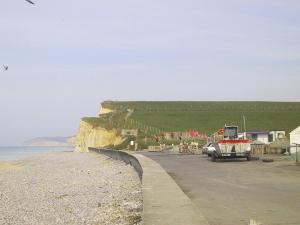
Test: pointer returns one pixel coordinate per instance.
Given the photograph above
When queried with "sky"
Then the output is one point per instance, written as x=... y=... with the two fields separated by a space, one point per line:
x=65 y=57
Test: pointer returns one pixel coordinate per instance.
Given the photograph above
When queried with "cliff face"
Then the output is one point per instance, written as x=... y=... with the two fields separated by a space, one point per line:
x=89 y=136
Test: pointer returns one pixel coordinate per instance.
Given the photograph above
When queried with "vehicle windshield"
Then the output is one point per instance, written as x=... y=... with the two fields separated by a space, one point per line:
x=230 y=132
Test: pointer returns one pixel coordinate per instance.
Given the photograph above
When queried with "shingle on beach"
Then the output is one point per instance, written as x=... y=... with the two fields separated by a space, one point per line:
x=70 y=188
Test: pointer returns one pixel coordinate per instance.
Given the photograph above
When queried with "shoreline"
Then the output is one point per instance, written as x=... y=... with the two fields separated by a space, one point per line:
x=11 y=154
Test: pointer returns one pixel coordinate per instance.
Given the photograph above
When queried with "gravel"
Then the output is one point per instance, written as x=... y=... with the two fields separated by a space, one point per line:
x=70 y=188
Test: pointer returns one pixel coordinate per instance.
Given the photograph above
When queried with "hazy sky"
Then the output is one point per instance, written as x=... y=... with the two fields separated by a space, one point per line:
x=65 y=57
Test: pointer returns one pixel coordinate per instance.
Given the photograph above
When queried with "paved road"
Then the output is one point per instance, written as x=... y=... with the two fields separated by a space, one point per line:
x=233 y=192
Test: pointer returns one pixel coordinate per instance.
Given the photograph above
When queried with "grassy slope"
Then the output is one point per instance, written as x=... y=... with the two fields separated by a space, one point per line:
x=208 y=116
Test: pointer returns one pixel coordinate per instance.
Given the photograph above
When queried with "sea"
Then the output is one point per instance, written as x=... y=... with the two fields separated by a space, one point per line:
x=21 y=152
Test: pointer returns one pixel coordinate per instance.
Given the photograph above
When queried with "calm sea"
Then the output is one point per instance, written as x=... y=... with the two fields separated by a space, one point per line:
x=20 y=152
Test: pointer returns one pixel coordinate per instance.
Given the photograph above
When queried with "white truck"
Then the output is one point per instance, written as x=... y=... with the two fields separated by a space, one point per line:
x=230 y=146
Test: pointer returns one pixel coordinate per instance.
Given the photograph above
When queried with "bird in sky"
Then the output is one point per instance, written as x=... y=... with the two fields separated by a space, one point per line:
x=30 y=2
x=5 y=67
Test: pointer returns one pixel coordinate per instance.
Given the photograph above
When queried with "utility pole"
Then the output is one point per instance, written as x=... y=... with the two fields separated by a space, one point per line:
x=245 y=130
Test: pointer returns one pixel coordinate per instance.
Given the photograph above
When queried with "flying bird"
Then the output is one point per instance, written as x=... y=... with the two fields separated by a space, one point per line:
x=5 y=67
x=30 y=2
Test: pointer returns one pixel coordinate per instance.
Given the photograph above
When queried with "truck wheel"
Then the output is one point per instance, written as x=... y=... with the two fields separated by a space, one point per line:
x=213 y=157
x=249 y=158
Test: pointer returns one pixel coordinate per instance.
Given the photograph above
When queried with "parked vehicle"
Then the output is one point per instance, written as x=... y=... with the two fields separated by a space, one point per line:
x=208 y=149
x=232 y=149
x=231 y=146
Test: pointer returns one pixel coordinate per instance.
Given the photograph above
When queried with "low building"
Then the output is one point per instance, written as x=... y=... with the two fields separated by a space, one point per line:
x=295 y=140
x=265 y=136
x=261 y=136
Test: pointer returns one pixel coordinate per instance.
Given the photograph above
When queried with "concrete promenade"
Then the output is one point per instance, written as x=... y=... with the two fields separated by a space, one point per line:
x=164 y=202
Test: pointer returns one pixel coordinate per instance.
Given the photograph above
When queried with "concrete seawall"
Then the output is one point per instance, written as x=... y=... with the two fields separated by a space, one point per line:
x=164 y=202
x=123 y=156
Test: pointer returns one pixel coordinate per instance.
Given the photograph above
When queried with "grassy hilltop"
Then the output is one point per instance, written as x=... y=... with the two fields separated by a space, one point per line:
x=207 y=117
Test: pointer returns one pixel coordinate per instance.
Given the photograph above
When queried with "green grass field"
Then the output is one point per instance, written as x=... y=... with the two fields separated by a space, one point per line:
x=206 y=117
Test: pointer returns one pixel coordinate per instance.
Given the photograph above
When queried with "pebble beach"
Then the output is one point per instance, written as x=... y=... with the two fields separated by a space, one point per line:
x=69 y=188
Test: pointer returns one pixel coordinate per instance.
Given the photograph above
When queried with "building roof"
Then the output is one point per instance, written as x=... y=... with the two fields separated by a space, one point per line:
x=296 y=131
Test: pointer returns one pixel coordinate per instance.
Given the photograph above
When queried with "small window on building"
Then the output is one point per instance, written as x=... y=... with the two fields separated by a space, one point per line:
x=270 y=138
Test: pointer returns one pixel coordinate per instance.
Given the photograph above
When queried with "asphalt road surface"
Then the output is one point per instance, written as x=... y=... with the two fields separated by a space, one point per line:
x=234 y=192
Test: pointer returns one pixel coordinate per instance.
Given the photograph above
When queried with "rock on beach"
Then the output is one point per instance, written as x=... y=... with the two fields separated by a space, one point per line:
x=70 y=188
